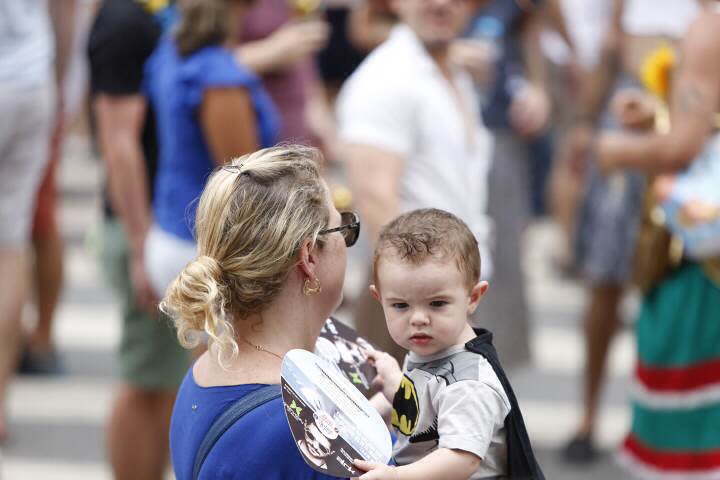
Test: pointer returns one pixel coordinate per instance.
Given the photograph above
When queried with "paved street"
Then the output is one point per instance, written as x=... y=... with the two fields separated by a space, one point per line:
x=57 y=423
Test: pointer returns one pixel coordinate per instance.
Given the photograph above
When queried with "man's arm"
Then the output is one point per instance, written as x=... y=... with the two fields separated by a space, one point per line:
x=695 y=99
x=120 y=120
x=596 y=84
x=375 y=181
x=594 y=87
x=62 y=17
x=555 y=19
x=530 y=108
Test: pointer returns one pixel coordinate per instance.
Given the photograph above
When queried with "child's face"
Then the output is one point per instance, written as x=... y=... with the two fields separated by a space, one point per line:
x=426 y=305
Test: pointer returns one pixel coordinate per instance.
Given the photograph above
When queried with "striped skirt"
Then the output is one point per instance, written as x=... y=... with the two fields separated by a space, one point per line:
x=676 y=391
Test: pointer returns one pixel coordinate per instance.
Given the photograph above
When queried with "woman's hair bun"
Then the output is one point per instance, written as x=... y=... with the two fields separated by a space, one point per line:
x=197 y=300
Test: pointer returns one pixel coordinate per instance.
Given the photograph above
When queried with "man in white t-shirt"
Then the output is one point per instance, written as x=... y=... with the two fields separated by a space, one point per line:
x=412 y=138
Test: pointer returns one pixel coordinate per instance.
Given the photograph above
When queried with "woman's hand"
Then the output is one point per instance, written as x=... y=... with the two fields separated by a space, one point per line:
x=388 y=375
x=634 y=109
x=376 y=471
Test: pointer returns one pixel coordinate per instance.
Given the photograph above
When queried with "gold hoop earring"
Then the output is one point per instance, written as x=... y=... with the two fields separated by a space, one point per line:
x=311 y=288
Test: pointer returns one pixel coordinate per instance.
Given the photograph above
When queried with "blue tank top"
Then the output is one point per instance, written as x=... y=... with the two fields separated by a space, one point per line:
x=259 y=445
x=175 y=87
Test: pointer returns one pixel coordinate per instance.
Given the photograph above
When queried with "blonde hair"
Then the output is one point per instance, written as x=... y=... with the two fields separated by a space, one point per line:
x=430 y=233
x=202 y=23
x=252 y=219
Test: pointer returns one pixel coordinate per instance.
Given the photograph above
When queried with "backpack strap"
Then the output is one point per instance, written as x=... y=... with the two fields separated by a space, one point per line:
x=234 y=413
x=522 y=464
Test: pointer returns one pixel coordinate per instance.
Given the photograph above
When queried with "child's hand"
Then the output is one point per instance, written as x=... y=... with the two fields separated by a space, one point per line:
x=376 y=471
x=388 y=373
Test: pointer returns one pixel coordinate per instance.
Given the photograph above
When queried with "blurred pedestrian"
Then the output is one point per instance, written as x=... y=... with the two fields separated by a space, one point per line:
x=209 y=110
x=610 y=211
x=152 y=363
x=38 y=354
x=339 y=59
x=586 y=23
x=413 y=138
x=516 y=108
x=279 y=41
x=29 y=44
x=676 y=394
x=272 y=251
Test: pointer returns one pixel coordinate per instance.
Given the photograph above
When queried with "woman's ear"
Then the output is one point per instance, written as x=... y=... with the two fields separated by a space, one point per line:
x=476 y=294
x=307 y=261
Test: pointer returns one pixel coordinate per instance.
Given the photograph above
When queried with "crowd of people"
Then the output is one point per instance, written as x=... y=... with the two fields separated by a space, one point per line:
x=491 y=110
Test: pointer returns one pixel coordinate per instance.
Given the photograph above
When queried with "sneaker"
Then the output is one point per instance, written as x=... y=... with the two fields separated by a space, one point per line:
x=580 y=450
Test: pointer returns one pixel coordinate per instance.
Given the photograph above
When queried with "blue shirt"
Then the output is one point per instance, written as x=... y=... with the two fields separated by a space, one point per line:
x=259 y=445
x=175 y=86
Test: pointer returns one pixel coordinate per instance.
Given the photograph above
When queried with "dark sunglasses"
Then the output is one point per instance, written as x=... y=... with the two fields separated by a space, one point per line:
x=349 y=226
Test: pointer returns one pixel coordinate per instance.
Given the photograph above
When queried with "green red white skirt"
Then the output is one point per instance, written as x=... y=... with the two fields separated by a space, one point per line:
x=676 y=391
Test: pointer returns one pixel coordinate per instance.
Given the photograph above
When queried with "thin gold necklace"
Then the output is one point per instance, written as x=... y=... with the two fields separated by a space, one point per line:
x=260 y=349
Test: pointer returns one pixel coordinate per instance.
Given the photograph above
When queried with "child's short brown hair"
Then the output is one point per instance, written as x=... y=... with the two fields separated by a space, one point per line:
x=429 y=232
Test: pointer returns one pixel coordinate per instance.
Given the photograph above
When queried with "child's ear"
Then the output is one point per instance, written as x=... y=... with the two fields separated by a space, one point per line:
x=476 y=294
x=375 y=292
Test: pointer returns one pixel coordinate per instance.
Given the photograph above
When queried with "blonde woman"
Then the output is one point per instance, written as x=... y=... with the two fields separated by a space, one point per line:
x=270 y=269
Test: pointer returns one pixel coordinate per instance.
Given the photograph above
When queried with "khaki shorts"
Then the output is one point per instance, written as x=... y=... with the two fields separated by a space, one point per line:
x=150 y=355
x=24 y=141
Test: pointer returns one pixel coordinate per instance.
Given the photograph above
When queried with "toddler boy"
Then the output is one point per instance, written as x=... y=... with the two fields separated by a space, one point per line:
x=451 y=405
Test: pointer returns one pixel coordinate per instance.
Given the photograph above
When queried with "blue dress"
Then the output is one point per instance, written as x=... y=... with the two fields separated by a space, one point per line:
x=259 y=445
x=175 y=86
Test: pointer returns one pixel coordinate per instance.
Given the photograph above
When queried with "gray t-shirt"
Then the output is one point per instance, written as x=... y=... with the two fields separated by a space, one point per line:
x=452 y=399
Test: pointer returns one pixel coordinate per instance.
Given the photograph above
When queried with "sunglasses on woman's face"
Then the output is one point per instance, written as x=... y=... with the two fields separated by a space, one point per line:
x=349 y=227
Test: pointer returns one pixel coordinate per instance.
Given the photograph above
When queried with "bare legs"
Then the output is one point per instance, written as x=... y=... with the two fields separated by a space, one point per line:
x=48 y=277
x=48 y=250
x=138 y=432
x=14 y=274
x=601 y=323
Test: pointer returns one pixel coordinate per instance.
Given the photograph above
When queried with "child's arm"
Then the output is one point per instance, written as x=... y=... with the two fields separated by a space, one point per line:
x=389 y=374
x=381 y=404
x=442 y=463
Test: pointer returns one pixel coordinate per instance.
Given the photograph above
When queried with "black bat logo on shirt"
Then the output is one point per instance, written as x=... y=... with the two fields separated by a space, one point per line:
x=406 y=410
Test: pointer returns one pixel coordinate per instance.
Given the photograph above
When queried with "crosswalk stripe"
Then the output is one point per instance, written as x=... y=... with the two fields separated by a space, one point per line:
x=32 y=469
x=88 y=401
x=556 y=350
x=561 y=350
x=85 y=402
x=549 y=424
x=87 y=327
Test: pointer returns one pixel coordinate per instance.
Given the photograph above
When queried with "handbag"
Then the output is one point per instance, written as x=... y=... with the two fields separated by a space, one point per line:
x=692 y=208
x=657 y=252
